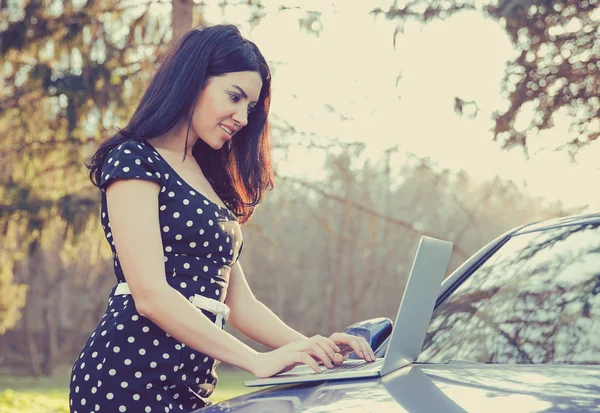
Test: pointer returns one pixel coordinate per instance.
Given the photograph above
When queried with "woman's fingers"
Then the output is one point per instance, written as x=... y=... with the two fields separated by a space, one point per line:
x=358 y=344
x=302 y=357
x=327 y=349
x=318 y=351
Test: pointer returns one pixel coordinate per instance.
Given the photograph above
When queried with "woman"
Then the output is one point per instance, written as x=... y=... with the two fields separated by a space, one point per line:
x=173 y=223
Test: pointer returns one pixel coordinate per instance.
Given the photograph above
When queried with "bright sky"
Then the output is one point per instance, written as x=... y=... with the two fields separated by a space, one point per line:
x=352 y=66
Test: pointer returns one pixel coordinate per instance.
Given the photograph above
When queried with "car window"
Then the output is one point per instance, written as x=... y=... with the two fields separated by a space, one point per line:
x=535 y=300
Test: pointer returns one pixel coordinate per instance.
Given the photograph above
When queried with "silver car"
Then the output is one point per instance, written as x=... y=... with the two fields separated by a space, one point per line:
x=516 y=328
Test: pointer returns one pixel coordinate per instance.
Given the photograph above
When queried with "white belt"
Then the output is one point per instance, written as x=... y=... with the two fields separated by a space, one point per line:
x=204 y=303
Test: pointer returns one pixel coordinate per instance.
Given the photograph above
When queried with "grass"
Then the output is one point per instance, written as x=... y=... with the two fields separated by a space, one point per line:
x=23 y=394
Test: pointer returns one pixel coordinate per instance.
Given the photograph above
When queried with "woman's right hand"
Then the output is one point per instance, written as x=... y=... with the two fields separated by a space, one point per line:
x=306 y=351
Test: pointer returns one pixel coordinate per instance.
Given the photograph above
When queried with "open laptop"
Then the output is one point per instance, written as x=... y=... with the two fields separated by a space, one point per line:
x=410 y=327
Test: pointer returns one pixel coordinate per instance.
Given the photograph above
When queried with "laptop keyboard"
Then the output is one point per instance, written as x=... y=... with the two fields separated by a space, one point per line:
x=353 y=365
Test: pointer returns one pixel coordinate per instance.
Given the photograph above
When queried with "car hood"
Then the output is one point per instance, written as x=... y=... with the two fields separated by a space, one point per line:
x=437 y=388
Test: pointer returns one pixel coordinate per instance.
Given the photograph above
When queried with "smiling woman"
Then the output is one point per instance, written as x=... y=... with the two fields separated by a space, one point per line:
x=174 y=227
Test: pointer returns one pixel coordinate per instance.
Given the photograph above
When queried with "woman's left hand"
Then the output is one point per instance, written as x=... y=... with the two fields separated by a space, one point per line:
x=348 y=343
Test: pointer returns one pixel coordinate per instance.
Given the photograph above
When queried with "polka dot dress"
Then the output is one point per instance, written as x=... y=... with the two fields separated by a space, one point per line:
x=129 y=364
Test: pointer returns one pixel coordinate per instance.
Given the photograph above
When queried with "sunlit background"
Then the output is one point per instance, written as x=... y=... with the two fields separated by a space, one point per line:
x=383 y=130
x=351 y=83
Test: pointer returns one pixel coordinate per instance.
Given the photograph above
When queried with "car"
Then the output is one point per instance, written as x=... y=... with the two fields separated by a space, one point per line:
x=516 y=328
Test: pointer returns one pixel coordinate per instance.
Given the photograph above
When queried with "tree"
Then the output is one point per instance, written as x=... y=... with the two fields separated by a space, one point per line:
x=557 y=69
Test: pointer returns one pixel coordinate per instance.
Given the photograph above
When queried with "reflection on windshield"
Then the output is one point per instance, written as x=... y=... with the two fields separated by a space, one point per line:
x=536 y=300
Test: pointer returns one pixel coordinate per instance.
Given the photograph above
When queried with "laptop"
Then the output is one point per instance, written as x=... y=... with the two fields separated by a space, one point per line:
x=409 y=329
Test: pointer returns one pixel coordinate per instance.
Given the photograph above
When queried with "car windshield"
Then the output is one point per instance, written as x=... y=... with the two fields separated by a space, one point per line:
x=535 y=300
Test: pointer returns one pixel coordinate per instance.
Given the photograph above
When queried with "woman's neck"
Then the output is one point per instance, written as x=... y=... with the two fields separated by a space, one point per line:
x=174 y=140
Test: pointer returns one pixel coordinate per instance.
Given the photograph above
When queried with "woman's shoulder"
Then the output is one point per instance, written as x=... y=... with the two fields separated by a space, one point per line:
x=133 y=158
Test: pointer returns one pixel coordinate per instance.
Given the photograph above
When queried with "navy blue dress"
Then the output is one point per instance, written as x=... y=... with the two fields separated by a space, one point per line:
x=129 y=364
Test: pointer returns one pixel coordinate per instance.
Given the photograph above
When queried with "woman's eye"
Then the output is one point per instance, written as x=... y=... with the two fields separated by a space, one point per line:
x=235 y=98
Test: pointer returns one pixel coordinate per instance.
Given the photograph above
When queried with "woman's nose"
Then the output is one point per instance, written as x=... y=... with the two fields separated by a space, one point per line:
x=241 y=118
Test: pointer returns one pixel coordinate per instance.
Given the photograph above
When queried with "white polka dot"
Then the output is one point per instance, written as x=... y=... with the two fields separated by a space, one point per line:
x=199 y=211
x=122 y=409
x=148 y=409
x=183 y=285
x=192 y=244
x=145 y=329
x=124 y=384
x=138 y=162
x=131 y=339
x=205 y=243
x=186 y=266
x=206 y=202
x=127 y=151
x=87 y=377
x=163 y=207
x=165 y=228
x=83 y=401
x=205 y=268
x=110 y=396
x=112 y=372
x=201 y=232
x=217 y=235
x=82 y=365
x=165 y=356
x=177 y=346
x=220 y=248
x=207 y=371
x=202 y=289
x=94 y=390
x=94 y=354
x=116 y=349
x=153 y=364
x=162 y=378
x=210 y=222
x=127 y=362
x=99 y=366
x=217 y=292
x=110 y=160
x=171 y=194
x=120 y=327
x=138 y=374
x=189 y=223
x=142 y=351
x=77 y=389
x=183 y=377
x=136 y=397
x=178 y=237
x=176 y=215
x=117 y=163
x=135 y=317
x=155 y=342
x=168 y=249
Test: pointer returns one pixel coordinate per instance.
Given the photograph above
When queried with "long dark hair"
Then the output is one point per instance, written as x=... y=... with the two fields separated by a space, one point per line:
x=241 y=173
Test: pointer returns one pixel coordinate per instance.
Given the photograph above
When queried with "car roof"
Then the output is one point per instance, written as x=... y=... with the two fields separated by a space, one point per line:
x=593 y=218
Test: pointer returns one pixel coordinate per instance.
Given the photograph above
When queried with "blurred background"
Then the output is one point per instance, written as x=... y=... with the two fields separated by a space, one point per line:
x=457 y=119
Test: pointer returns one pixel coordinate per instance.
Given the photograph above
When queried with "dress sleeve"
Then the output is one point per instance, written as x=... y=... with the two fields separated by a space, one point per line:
x=129 y=160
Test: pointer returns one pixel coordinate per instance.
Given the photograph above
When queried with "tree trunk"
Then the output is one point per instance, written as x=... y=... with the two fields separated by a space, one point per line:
x=183 y=12
x=35 y=361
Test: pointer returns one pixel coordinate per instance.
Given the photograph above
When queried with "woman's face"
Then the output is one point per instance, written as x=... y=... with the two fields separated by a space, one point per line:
x=224 y=105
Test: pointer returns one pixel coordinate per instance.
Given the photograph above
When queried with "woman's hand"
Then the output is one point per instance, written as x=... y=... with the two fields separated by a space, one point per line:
x=308 y=351
x=348 y=343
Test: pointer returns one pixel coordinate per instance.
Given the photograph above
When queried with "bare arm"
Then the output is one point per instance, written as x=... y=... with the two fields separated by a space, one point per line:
x=271 y=330
x=246 y=310
x=133 y=210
